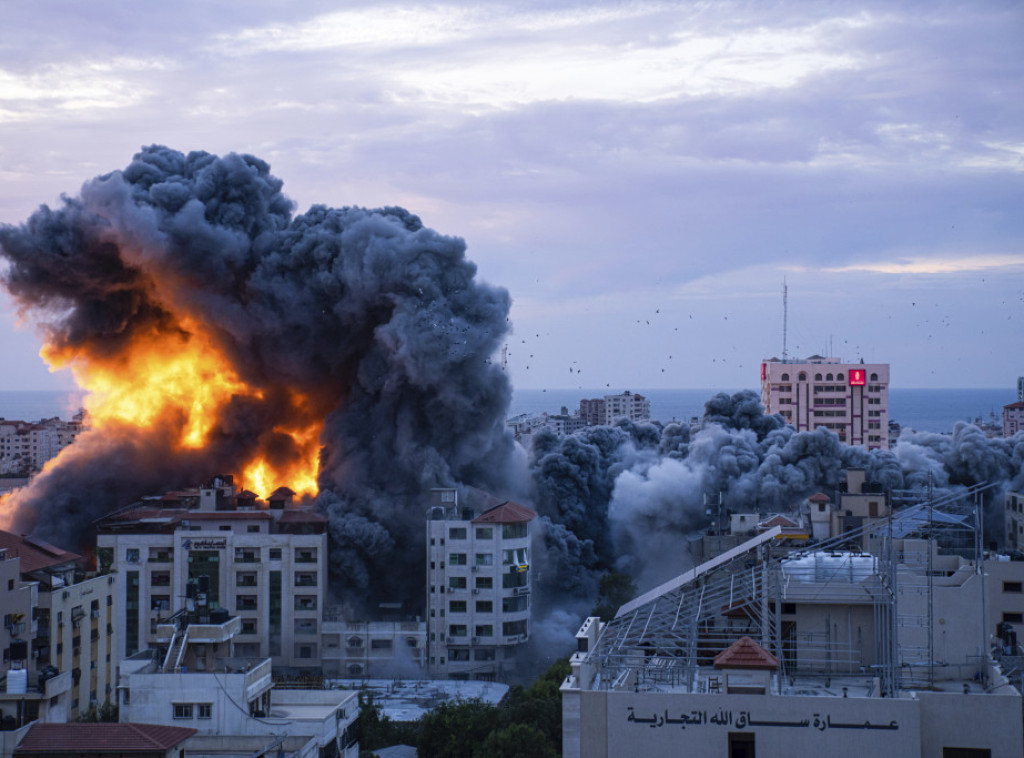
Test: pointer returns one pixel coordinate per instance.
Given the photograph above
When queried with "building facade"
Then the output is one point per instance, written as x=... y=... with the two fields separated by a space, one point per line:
x=478 y=587
x=26 y=446
x=606 y=410
x=214 y=550
x=851 y=399
x=59 y=625
x=1013 y=418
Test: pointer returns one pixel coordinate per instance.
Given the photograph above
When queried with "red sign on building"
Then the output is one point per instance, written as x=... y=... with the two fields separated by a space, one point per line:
x=857 y=377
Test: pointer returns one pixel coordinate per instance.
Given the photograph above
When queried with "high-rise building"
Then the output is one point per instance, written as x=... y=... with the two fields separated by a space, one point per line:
x=1013 y=418
x=605 y=410
x=213 y=550
x=478 y=587
x=851 y=399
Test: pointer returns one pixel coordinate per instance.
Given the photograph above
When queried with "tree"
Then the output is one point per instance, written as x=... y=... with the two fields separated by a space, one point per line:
x=516 y=741
x=455 y=729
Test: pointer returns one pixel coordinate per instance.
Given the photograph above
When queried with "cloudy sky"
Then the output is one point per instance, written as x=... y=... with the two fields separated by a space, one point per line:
x=642 y=177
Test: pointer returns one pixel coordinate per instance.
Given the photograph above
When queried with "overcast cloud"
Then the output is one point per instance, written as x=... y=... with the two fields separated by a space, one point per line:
x=640 y=176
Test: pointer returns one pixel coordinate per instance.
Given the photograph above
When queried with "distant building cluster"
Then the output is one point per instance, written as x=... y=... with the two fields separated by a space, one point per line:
x=601 y=411
x=25 y=447
x=851 y=399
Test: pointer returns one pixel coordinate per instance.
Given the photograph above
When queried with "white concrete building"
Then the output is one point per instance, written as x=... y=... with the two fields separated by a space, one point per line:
x=814 y=652
x=59 y=626
x=372 y=649
x=26 y=446
x=851 y=399
x=218 y=551
x=1015 y=520
x=478 y=587
x=607 y=409
x=199 y=684
x=1013 y=418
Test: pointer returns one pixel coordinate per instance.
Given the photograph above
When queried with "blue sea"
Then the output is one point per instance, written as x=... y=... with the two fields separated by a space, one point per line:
x=925 y=410
x=931 y=410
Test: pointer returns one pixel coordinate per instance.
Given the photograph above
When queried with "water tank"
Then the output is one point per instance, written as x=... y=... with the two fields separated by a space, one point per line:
x=17 y=681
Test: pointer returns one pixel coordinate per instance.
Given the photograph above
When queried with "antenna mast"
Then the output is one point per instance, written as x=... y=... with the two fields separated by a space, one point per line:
x=785 y=318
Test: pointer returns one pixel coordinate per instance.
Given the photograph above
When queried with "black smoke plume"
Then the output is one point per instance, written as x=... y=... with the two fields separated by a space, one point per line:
x=378 y=322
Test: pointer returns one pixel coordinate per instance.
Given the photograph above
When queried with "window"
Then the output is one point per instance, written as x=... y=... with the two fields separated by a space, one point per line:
x=248 y=626
x=305 y=555
x=182 y=710
x=225 y=527
x=457 y=630
x=131 y=555
x=245 y=579
x=484 y=606
x=305 y=579
x=457 y=533
x=512 y=628
x=457 y=559
x=512 y=531
x=458 y=654
x=515 y=557
x=484 y=533
x=251 y=529
x=245 y=603
x=1013 y=618
x=456 y=606
x=380 y=644
x=514 y=579
x=204 y=710
x=275 y=553
x=160 y=555
x=484 y=559
x=484 y=582
x=247 y=555
x=305 y=602
x=305 y=626
x=515 y=604
x=1012 y=587
x=457 y=582
x=160 y=579
x=305 y=651
x=483 y=654
x=483 y=630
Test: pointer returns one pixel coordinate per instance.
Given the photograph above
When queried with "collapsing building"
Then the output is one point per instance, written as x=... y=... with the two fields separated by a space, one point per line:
x=836 y=649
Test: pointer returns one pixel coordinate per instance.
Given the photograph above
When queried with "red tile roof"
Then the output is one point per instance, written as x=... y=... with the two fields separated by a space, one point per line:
x=102 y=738
x=819 y=497
x=226 y=515
x=778 y=520
x=34 y=554
x=281 y=492
x=744 y=653
x=506 y=513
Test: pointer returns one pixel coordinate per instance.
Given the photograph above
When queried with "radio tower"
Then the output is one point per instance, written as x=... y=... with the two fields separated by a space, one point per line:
x=785 y=317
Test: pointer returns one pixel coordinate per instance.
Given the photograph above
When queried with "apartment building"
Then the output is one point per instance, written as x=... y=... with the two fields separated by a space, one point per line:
x=851 y=399
x=26 y=446
x=214 y=550
x=605 y=410
x=478 y=587
x=59 y=632
x=1013 y=418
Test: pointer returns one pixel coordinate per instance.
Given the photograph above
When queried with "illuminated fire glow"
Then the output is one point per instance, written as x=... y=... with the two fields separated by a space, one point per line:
x=181 y=379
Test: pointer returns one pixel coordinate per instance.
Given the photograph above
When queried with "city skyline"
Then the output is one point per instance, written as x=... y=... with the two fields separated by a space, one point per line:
x=641 y=178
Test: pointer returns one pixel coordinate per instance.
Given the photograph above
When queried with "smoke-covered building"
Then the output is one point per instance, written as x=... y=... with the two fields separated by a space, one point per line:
x=214 y=550
x=478 y=587
x=59 y=633
x=1013 y=418
x=851 y=399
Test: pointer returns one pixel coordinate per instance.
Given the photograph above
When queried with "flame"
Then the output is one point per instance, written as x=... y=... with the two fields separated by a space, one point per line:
x=182 y=379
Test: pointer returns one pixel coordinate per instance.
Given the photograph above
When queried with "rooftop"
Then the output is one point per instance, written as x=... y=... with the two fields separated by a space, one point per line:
x=106 y=738
x=506 y=513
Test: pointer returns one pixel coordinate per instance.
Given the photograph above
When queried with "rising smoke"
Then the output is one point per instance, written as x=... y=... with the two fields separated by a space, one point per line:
x=362 y=320
x=376 y=330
